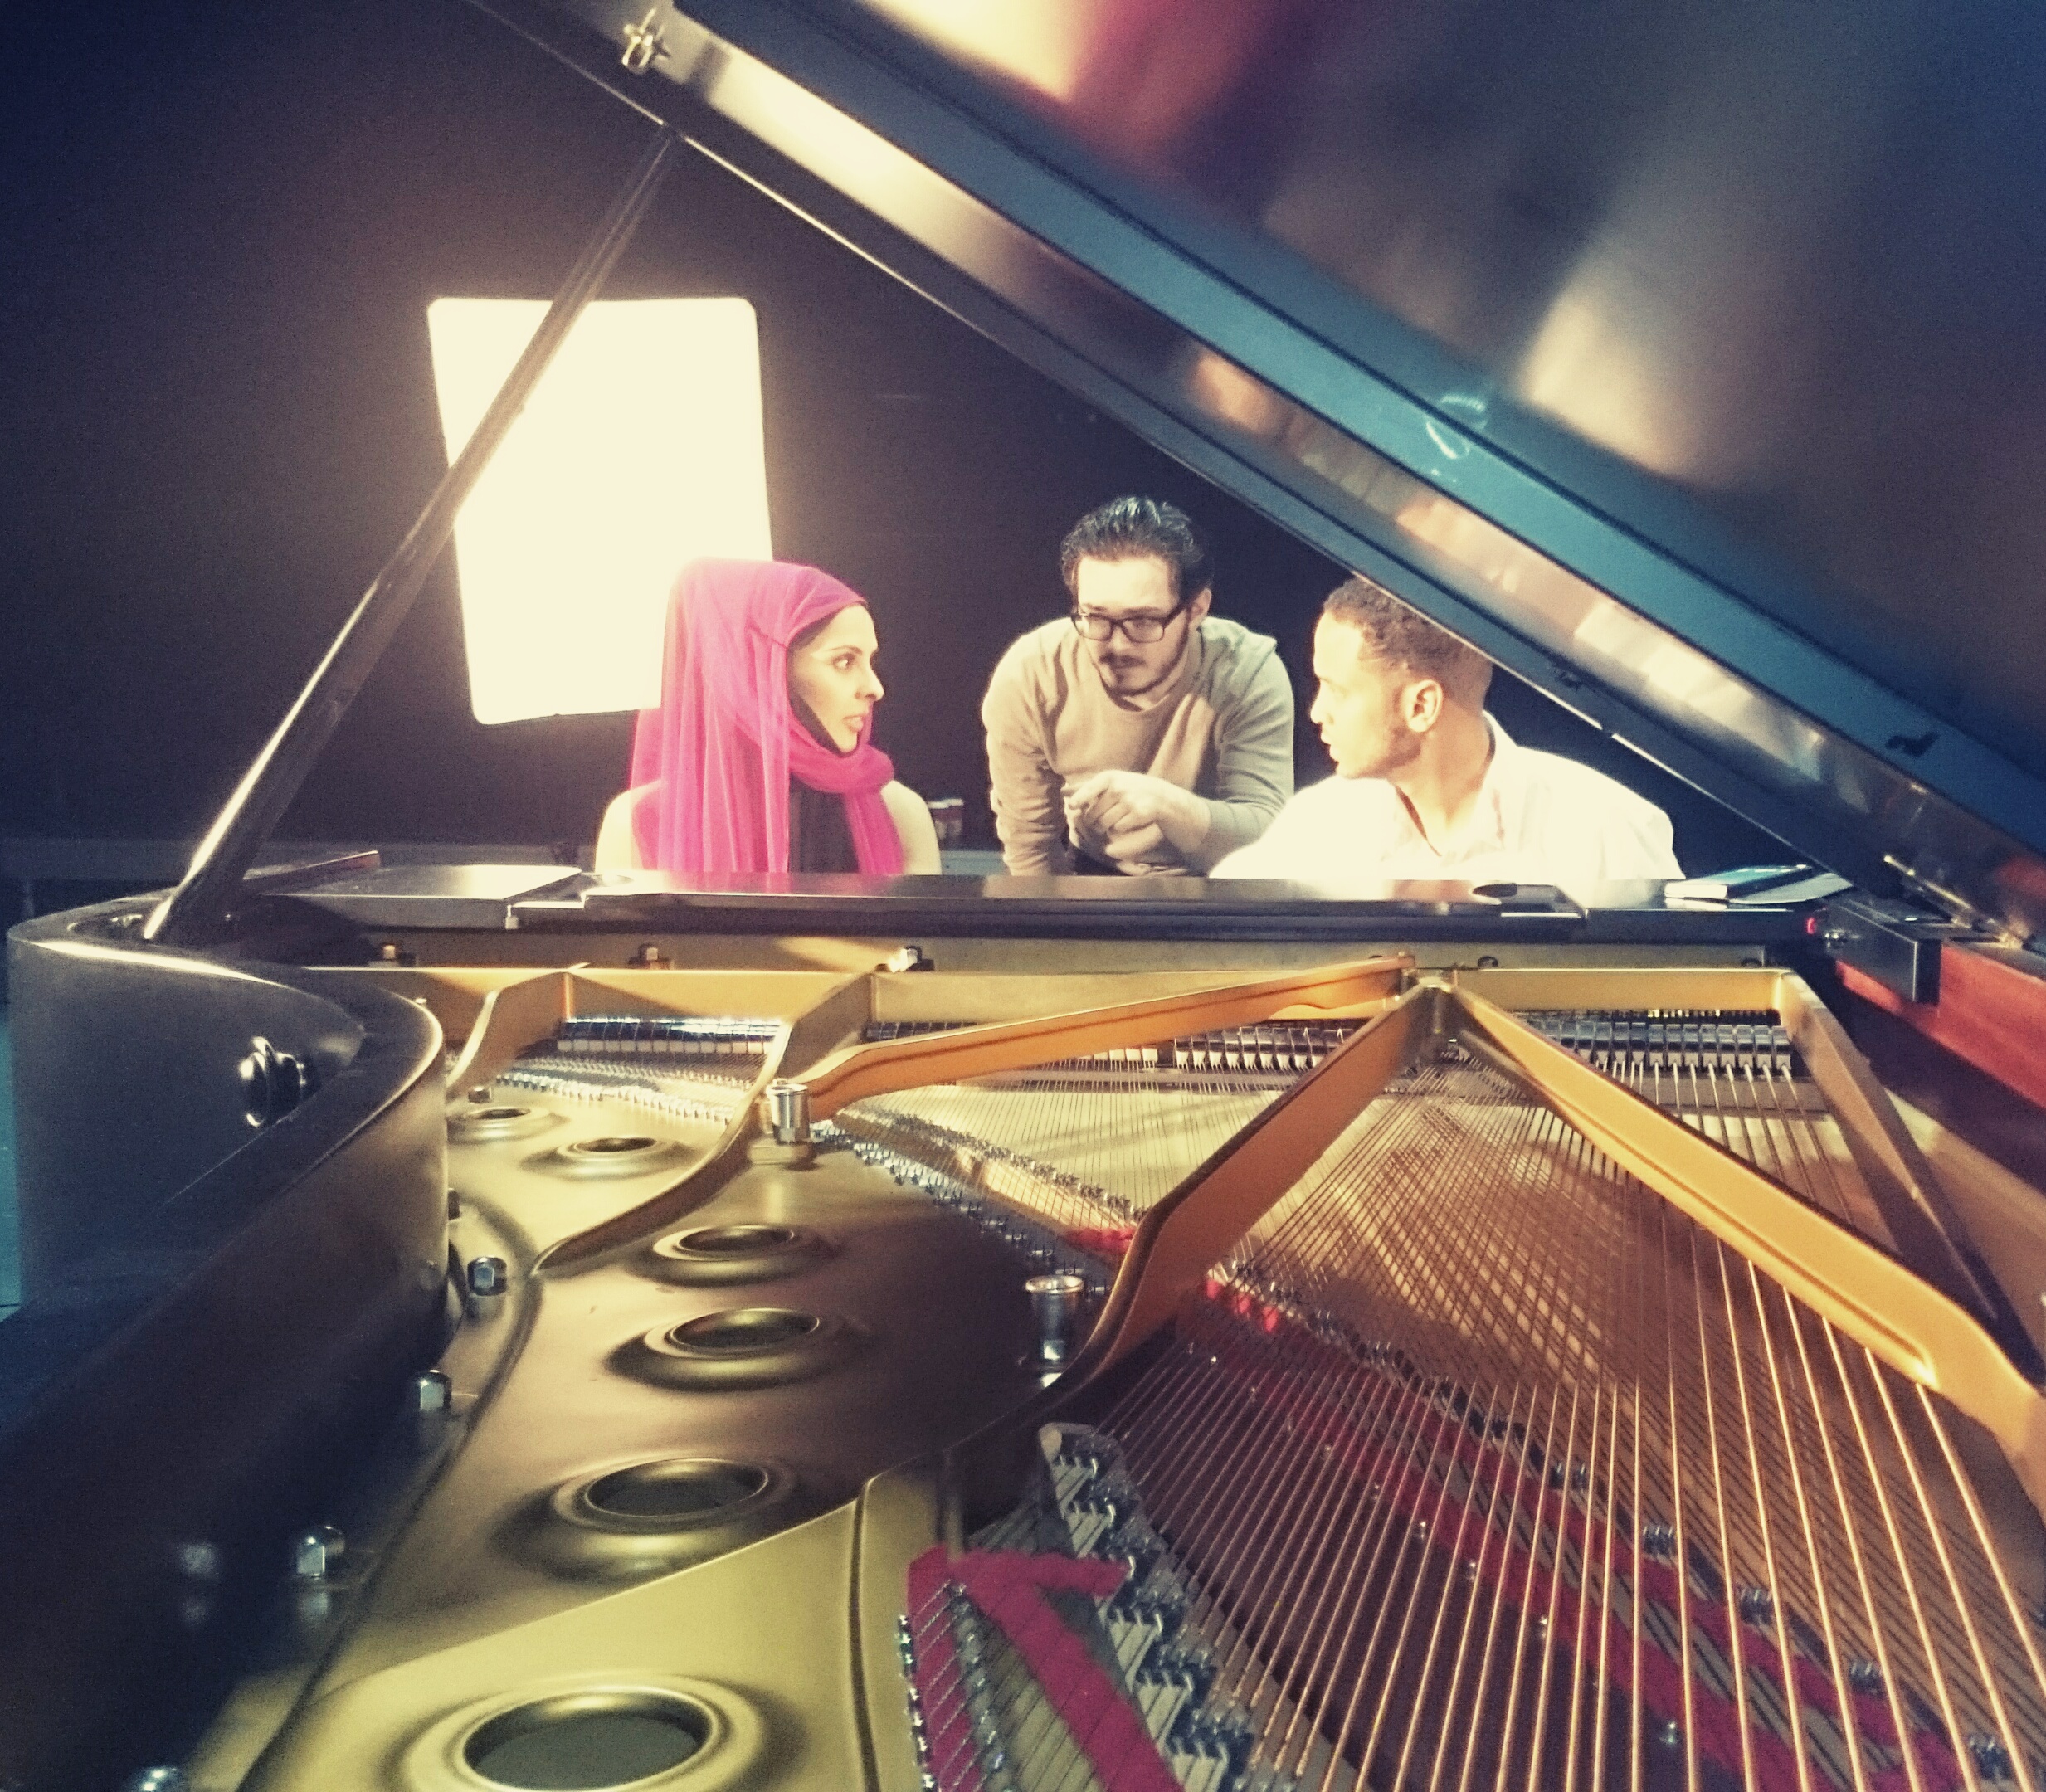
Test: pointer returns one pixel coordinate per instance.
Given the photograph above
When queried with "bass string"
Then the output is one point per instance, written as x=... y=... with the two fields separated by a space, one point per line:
x=1434 y=1477
x=1931 y=1599
x=2005 y=1602
x=1823 y=1598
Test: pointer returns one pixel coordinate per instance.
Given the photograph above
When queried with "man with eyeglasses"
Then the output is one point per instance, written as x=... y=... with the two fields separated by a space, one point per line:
x=1140 y=734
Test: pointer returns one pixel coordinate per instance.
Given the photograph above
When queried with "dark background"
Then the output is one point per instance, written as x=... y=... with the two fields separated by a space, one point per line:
x=220 y=228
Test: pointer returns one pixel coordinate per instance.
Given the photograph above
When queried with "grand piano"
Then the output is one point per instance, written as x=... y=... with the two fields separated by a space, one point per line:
x=513 y=1328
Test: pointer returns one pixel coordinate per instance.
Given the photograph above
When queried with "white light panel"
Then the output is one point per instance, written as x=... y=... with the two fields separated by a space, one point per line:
x=640 y=448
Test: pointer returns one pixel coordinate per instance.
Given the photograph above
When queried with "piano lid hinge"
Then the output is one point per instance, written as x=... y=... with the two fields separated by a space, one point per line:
x=643 y=45
x=687 y=54
x=1957 y=909
x=1888 y=942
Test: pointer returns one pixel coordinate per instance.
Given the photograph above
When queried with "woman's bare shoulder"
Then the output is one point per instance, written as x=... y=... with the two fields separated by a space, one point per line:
x=617 y=843
x=914 y=827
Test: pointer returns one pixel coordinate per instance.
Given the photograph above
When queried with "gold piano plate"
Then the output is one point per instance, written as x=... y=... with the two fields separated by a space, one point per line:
x=1532 y=1375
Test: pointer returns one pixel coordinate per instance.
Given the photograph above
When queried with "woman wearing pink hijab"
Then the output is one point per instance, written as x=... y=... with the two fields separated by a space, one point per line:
x=759 y=757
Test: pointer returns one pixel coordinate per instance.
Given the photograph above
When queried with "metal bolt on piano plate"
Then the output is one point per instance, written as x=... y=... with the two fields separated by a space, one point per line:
x=1992 y=1760
x=1085 y=1457
x=788 y=1112
x=1070 y=1445
x=642 y=47
x=156 y=1779
x=1224 y=1738
x=1160 y=1612
x=485 y=1277
x=1093 y=1504
x=432 y=1392
x=314 y=1552
x=1054 y=1303
x=1135 y=1545
x=1182 y=1664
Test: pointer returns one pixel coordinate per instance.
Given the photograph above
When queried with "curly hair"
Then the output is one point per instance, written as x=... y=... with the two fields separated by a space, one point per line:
x=1398 y=632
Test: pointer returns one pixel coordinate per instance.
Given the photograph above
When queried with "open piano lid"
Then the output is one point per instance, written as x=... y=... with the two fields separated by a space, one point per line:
x=1682 y=361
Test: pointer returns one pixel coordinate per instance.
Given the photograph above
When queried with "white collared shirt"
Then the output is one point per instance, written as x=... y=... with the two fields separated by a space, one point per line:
x=1538 y=819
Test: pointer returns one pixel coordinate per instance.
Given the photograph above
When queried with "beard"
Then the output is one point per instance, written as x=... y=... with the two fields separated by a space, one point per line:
x=1393 y=750
x=1130 y=677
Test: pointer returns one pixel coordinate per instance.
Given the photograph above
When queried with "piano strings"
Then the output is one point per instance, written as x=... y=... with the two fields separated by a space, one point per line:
x=1737 y=1079
x=681 y=1067
x=1479 y=1464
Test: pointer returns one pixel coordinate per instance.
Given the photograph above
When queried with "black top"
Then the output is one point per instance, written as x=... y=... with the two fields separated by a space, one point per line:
x=819 y=835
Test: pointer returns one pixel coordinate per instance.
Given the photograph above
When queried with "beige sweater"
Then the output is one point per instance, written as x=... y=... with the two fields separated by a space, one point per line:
x=1220 y=725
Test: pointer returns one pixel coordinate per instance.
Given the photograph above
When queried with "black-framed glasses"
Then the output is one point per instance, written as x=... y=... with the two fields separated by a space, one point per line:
x=1139 y=631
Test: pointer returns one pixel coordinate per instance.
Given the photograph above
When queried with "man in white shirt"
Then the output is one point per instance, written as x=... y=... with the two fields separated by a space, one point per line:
x=1428 y=786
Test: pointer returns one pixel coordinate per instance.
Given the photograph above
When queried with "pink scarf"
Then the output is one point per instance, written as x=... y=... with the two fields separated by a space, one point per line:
x=724 y=744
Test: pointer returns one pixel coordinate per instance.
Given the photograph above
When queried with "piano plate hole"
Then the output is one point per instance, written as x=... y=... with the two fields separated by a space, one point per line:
x=730 y=1240
x=744 y=1331
x=740 y=1346
x=588 y=1742
x=683 y=1489
x=711 y=1256
x=500 y=1120
x=623 y=1522
x=611 y=1154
